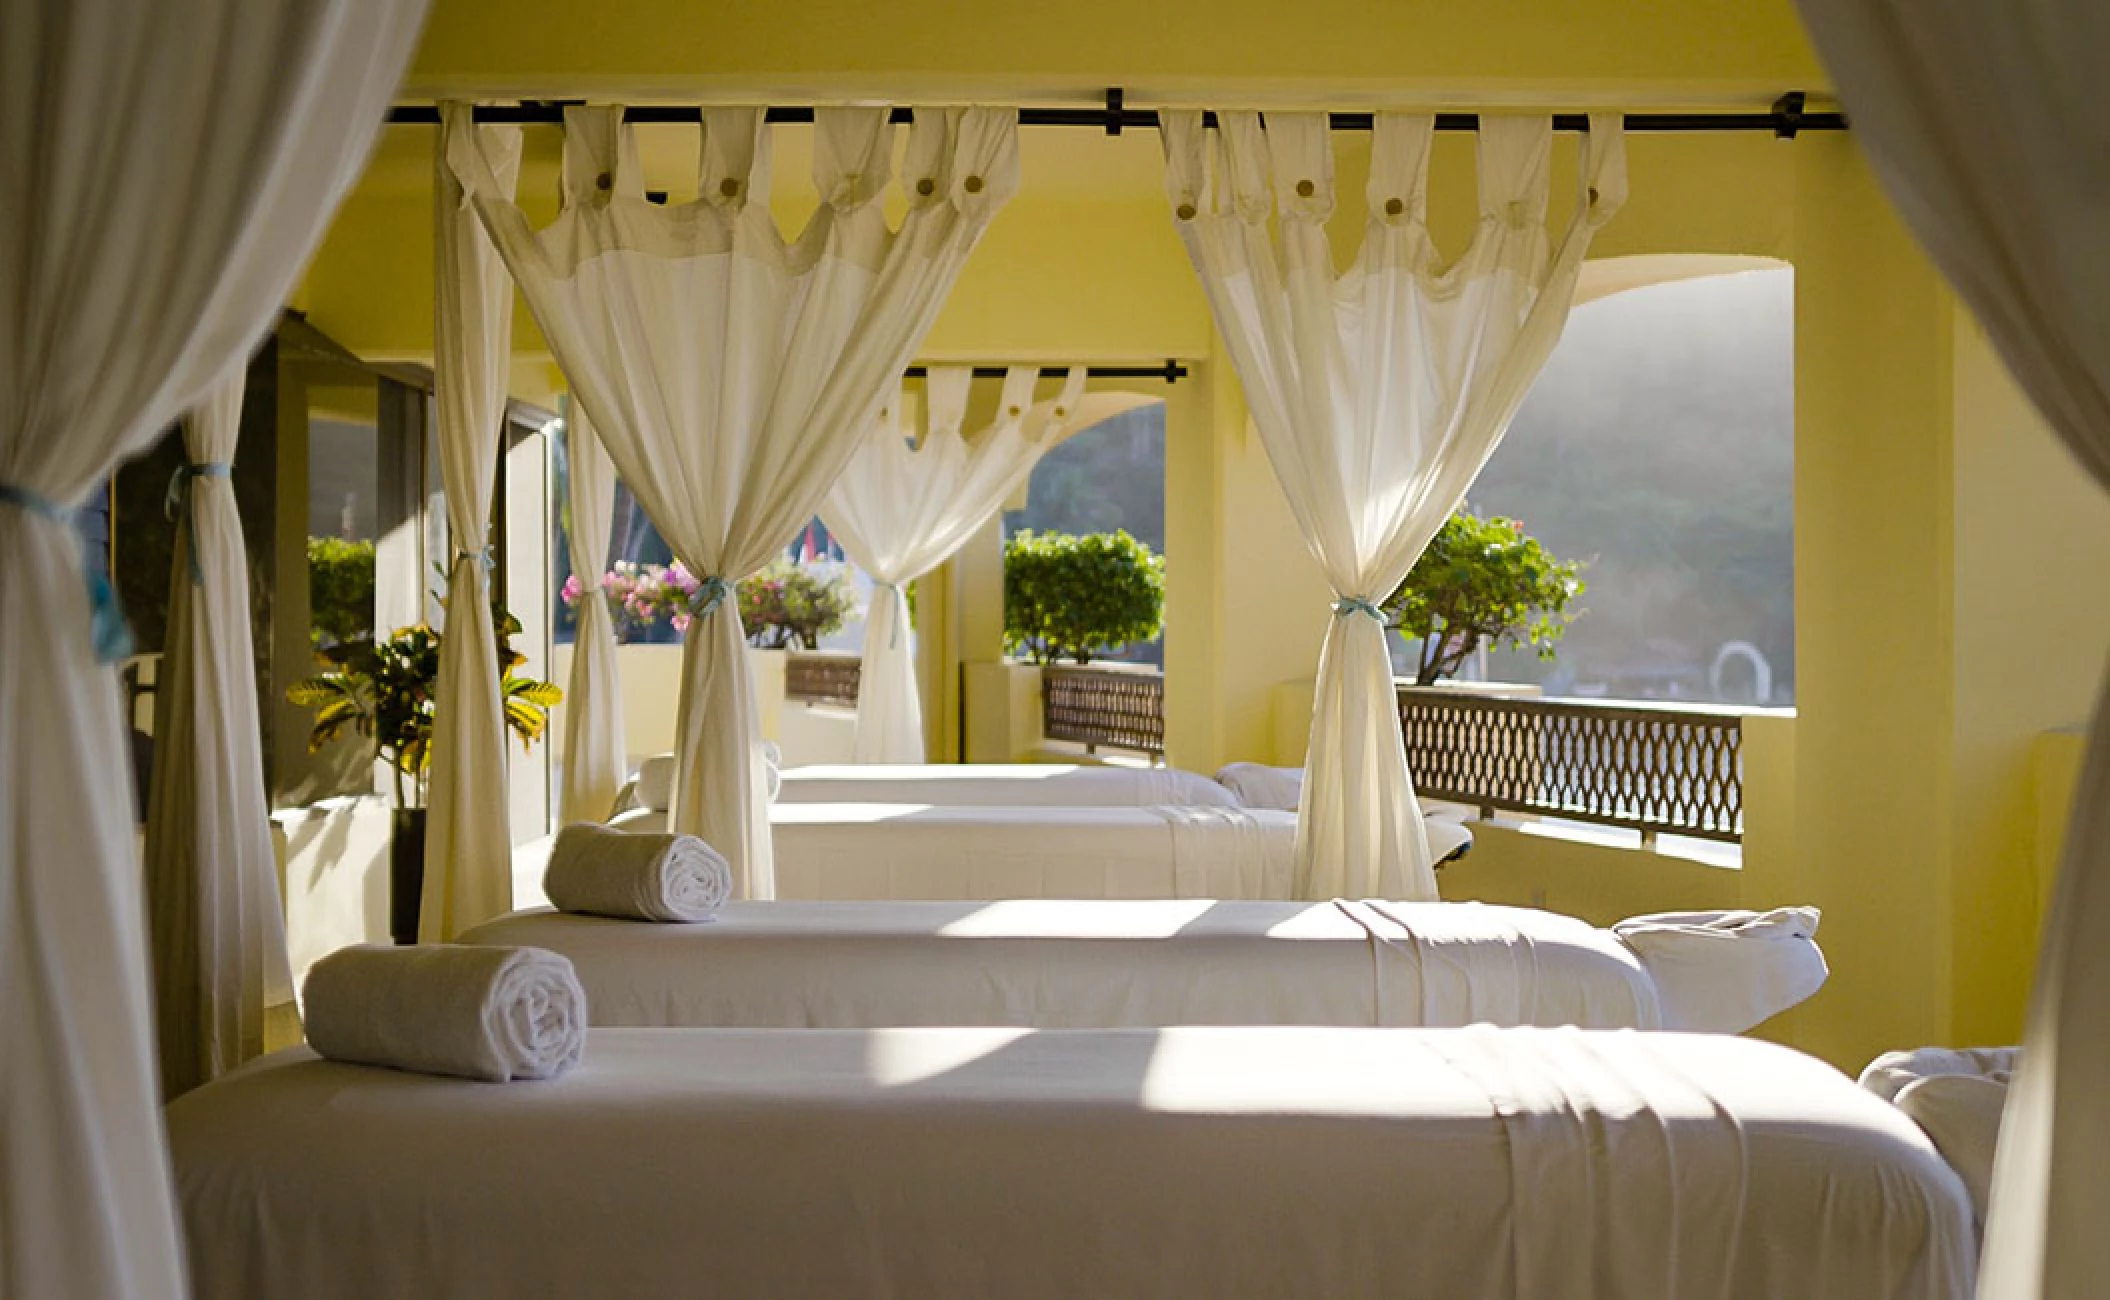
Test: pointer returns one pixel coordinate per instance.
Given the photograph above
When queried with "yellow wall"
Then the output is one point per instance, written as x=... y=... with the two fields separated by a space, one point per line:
x=1638 y=50
x=1591 y=876
x=2032 y=533
x=2055 y=768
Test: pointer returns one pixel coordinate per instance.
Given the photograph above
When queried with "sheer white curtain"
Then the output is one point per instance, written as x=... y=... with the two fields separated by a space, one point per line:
x=167 y=169
x=468 y=836
x=731 y=372
x=218 y=926
x=903 y=505
x=594 y=758
x=1378 y=394
x=1986 y=125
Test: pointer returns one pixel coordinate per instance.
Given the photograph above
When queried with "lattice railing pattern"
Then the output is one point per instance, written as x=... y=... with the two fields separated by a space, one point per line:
x=1121 y=708
x=1678 y=771
x=821 y=677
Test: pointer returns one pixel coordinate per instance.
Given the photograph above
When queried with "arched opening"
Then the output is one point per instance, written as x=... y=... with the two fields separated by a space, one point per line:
x=1658 y=448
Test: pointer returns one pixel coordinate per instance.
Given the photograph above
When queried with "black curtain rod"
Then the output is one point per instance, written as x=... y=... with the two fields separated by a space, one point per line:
x=1785 y=119
x=1171 y=372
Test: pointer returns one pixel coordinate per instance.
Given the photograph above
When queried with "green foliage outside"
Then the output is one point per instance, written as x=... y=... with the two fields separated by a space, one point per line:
x=1068 y=597
x=384 y=691
x=1483 y=582
x=789 y=606
x=340 y=591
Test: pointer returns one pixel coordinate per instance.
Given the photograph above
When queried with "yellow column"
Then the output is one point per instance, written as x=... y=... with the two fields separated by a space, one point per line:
x=1194 y=565
x=980 y=679
x=938 y=661
x=1275 y=600
x=1874 y=641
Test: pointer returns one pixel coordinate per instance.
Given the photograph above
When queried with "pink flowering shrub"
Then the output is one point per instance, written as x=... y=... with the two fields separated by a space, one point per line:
x=782 y=605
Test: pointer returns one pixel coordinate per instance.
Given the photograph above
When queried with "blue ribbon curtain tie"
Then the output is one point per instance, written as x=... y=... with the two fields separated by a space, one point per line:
x=708 y=596
x=1346 y=605
x=482 y=555
x=175 y=506
x=893 y=640
x=106 y=618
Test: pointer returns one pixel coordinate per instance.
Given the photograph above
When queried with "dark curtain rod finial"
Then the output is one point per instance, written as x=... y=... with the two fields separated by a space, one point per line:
x=1787 y=117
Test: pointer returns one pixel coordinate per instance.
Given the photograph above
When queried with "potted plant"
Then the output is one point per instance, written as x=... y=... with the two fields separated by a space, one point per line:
x=1482 y=581
x=384 y=691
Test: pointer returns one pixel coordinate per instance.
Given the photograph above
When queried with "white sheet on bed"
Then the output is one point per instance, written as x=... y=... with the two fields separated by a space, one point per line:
x=1013 y=785
x=910 y=851
x=1002 y=1164
x=1102 y=964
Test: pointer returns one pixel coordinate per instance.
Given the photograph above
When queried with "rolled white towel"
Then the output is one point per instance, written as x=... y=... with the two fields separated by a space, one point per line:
x=496 y=1014
x=644 y=877
x=1725 y=972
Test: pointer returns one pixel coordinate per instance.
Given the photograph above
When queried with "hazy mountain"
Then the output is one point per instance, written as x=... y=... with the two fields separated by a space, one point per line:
x=1659 y=445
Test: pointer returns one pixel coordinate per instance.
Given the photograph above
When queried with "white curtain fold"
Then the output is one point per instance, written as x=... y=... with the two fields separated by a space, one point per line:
x=903 y=505
x=731 y=372
x=1378 y=394
x=468 y=836
x=1985 y=124
x=594 y=757
x=166 y=171
x=218 y=927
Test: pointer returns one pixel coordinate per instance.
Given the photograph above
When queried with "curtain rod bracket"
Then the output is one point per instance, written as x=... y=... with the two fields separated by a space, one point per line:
x=1114 y=99
x=1787 y=114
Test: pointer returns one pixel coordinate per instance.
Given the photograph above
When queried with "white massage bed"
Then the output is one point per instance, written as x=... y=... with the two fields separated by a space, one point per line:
x=918 y=851
x=1058 y=964
x=1099 y=965
x=1229 y=1163
x=1013 y=785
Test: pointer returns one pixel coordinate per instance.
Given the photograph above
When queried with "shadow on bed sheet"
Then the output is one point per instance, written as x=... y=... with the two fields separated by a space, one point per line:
x=1030 y=1058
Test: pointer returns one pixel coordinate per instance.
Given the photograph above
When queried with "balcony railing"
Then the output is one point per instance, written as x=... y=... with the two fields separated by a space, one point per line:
x=1677 y=771
x=820 y=677
x=1120 y=708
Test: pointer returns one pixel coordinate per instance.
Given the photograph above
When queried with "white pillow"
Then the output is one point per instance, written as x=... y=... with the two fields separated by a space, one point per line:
x=1961 y=1114
x=1893 y=1072
x=1259 y=786
x=1726 y=972
x=654 y=785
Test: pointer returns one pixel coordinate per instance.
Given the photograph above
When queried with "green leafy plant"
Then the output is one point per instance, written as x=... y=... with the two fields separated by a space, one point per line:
x=340 y=591
x=1483 y=582
x=384 y=691
x=791 y=605
x=1068 y=597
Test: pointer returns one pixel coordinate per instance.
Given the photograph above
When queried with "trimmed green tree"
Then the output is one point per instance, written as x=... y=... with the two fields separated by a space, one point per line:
x=340 y=591
x=1068 y=597
x=1483 y=582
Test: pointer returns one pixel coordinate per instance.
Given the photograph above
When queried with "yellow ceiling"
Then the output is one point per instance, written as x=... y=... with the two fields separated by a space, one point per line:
x=1577 y=53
